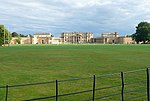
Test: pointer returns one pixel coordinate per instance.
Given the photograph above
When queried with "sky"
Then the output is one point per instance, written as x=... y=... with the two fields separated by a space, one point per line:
x=57 y=16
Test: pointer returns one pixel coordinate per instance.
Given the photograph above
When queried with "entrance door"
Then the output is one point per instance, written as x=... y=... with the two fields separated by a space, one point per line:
x=43 y=42
x=113 y=41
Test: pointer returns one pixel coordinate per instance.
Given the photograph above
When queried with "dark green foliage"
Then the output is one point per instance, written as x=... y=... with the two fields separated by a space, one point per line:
x=14 y=34
x=142 y=32
x=22 y=35
x=1 y=34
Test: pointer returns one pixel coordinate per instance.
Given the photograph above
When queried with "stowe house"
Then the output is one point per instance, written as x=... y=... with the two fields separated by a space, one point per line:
x=74 y=38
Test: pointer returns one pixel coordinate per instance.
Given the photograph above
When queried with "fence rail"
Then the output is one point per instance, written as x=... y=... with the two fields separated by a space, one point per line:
x=94 y=89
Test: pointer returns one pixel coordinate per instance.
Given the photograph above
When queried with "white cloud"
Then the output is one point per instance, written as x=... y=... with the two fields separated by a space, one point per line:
x=56 y=16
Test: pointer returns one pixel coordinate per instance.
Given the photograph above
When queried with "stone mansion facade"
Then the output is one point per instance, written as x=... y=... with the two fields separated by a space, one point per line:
x=73 y=38
x=114 y=38
x=77 y=37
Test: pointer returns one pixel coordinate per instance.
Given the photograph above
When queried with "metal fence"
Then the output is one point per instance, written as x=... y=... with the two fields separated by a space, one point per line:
x=124 y=86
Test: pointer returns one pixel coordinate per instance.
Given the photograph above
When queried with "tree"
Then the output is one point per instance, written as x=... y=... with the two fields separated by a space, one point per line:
x=4 y=35
x=14 y=34
x=18 y=40
x=142 y=32
x=22 y=35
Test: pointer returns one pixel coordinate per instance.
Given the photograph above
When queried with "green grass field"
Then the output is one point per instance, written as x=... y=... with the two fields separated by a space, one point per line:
x=38 y=63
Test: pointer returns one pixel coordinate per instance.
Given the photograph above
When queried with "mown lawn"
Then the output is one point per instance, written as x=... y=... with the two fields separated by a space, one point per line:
x=37 y=63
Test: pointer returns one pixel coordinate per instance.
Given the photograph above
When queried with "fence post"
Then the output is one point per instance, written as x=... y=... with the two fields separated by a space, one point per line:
x=93 y=87
x=147 y=84
x=122 y=91
x=56 y=90
x=6 y=96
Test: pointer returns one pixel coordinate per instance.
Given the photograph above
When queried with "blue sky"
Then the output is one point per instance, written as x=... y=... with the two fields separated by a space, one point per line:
x=57 y=16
